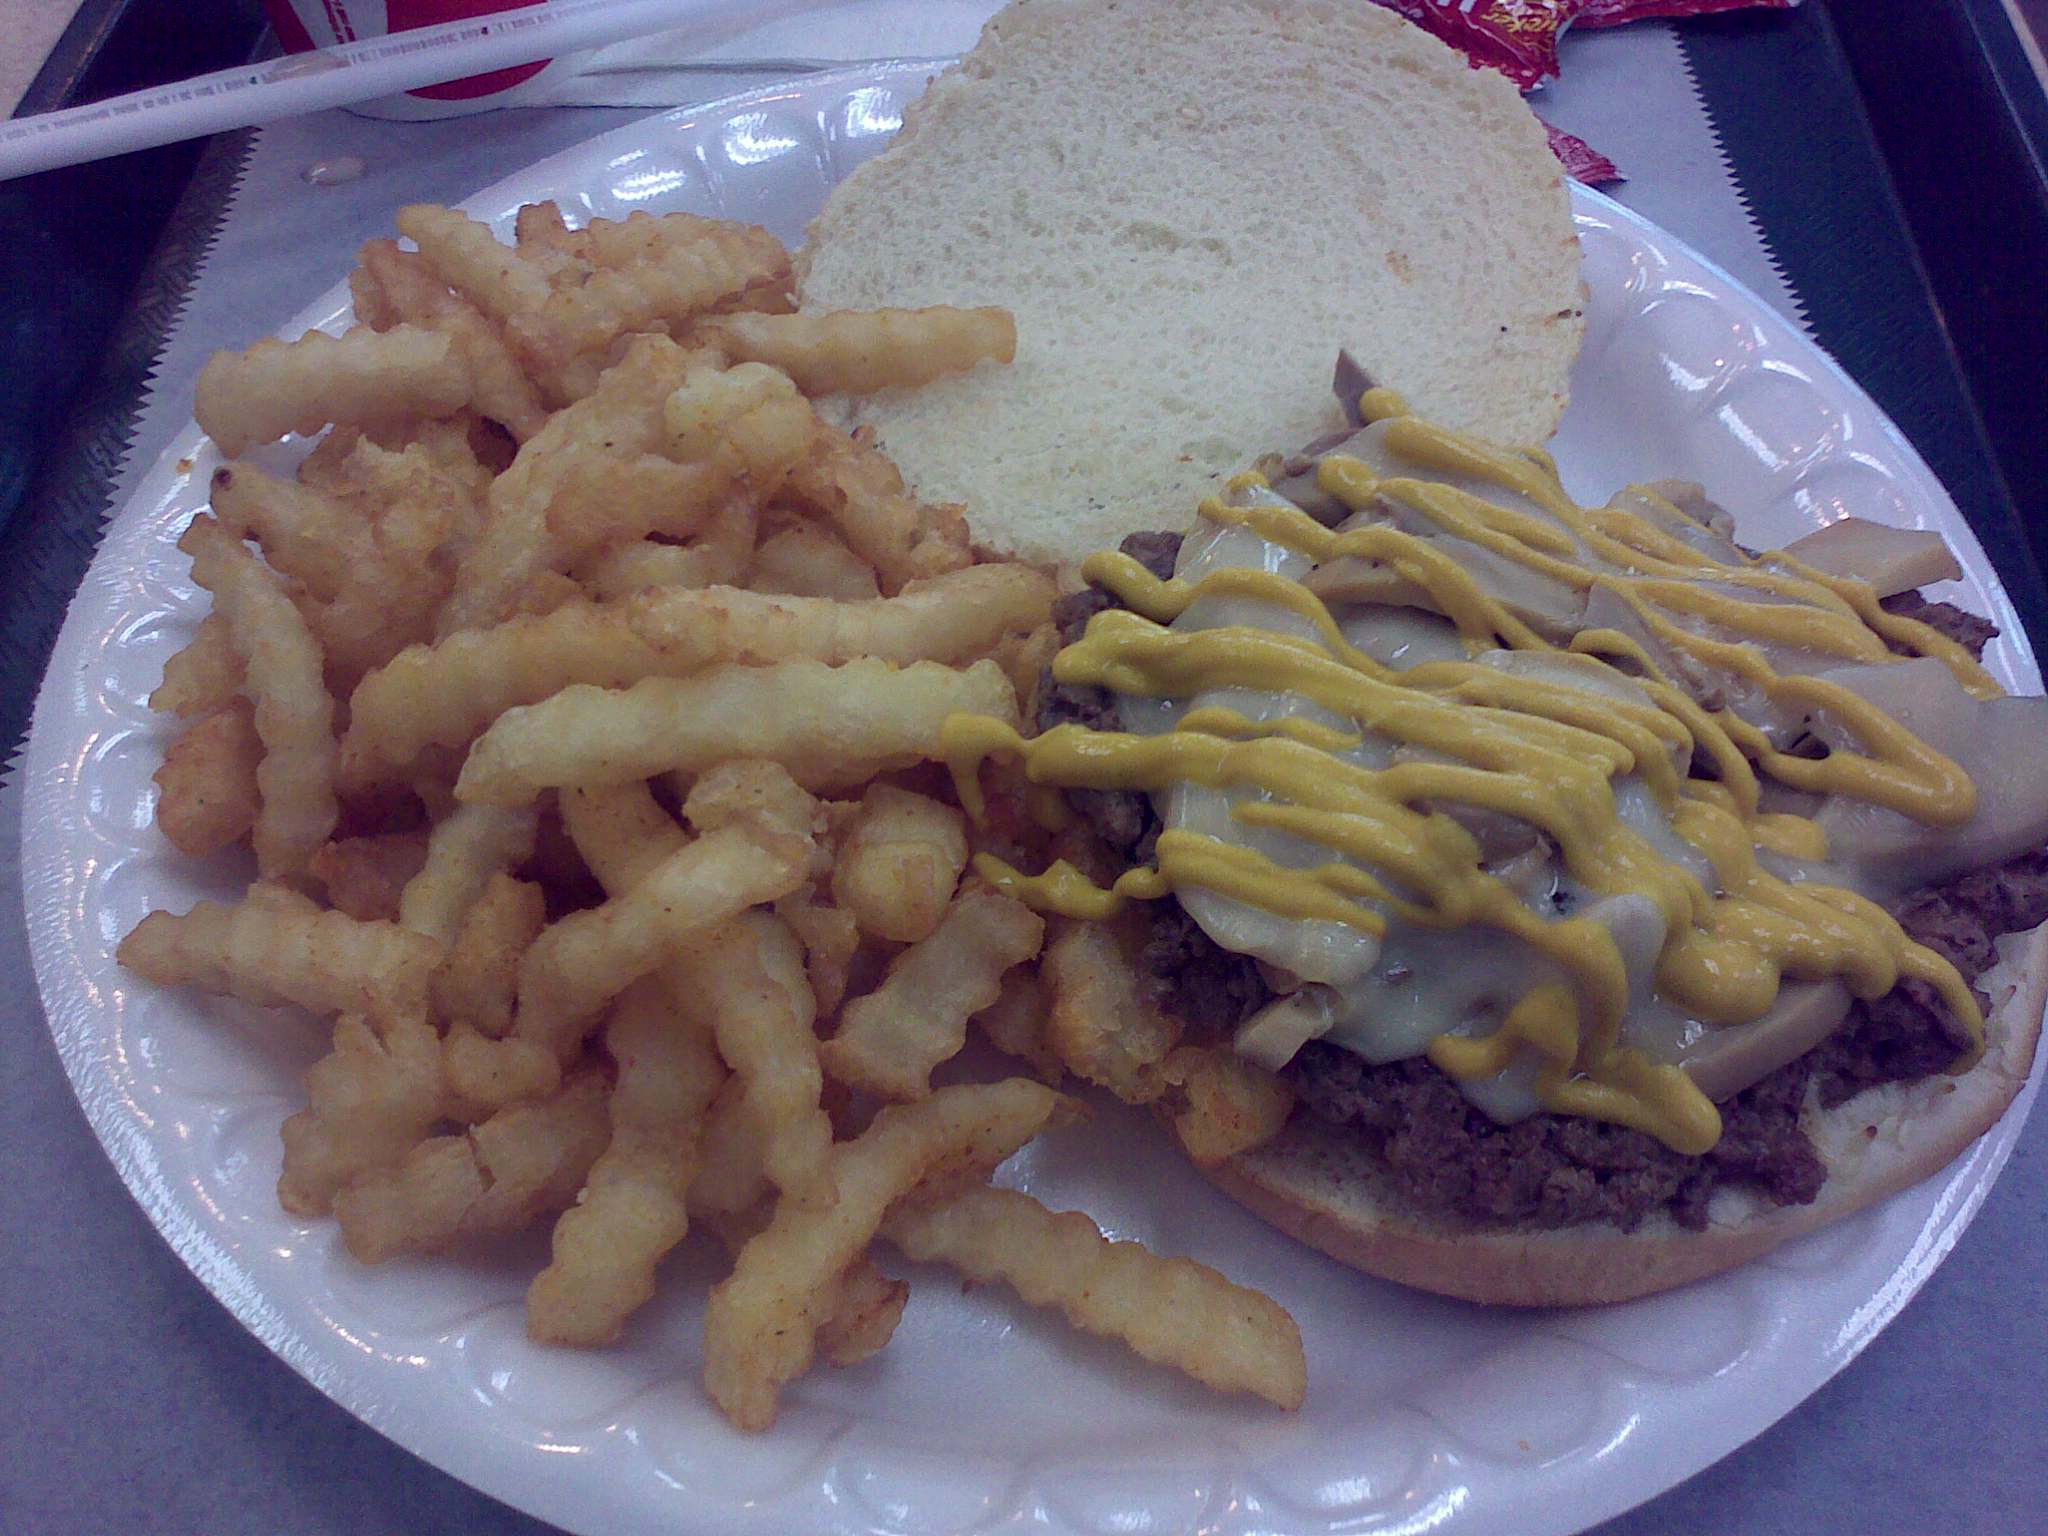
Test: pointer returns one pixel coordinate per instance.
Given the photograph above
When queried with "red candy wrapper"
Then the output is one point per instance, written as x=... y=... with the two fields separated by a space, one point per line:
x=1612 y=13
x=1581 y=161
x=1516 y=37
x=1519 y=37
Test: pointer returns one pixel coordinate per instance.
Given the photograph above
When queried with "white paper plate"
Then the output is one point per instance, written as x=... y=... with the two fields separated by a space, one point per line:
x=1422 y=1413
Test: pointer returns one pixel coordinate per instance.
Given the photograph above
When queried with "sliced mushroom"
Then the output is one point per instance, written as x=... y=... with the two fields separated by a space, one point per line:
x=1724 y=1061
x=1355 y=579
x=1997 y=742
x=1273 y=1035
x=1681 y=509
x=1890 y=559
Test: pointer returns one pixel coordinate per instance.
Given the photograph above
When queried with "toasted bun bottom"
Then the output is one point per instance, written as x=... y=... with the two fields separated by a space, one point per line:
x=1318 y=1184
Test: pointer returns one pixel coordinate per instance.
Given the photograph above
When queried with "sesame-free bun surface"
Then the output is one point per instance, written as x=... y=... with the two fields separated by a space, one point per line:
x=1322 y=1187
x=1190 y=207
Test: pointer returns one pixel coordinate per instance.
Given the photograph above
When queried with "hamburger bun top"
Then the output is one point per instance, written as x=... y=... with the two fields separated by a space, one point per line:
x=1189 y=208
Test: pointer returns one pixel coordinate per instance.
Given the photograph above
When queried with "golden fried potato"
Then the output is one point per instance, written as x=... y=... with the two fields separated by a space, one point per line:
x=749 y=975
x=859 y=492
x=208 y=796
x=409 y=292
x=860 y=351
x=520 y=1164
x=364 y=876
x=715 y=556
x=760 y=1330
x=475 y=986
x=632 y=1209
x=1171 y=1311
x=950 y=617
x=204 y=677
x=469 y=849
x=1225 y=1104
x=827 y=725
x=276 y=947
x=898 y=863
x=809 y=562
x=1015 y=1022
x=365 y=378
x=830 y=939
x=624 y=413
x=582 y=962
x=373 y=1098
x=294 y=716
x=1102 y=1026
x=889 y=1040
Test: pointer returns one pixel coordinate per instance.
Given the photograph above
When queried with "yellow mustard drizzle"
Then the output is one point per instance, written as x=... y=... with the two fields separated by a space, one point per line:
x=1526 y=747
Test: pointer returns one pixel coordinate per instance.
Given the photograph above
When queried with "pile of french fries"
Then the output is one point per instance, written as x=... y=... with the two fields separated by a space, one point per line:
x=579 y=697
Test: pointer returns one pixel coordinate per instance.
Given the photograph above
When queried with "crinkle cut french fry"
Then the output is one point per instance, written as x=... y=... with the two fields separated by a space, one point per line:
x=521 y=1163
x=861 y=493
x=466 y=256
x=365 y=875
x=642 y=236
x=859 y=351
x=585 y=960
x=268 y=952
x=632 y=1209
x=294 y=715
x=809 y=562
x=732 y=1176
x=749 y=975
x=602 y=500
x=207 y=792
x=948 y=618
x=898 y=863
x=476 y=985
x=827 y=725
x=205 y=676
x=373 y=1098
x=362 y=379
x=486 y=1073
x=412 y=293
x=467 y=848
x=621 y=831
x=671 y=289
x=1102 y=1025
x=863 y=1315
x=860 y=1307
x=760 y=1329
x=1025 y=660
x=760 y=797
x=715 y=556
x=748 y=420
x=890 y=1040
x=624 y=411
x=371 y=303
x=306 y=534
x=444 y=693
x=1015 y=1023
x=830 y=939
x=1174 y=1312
x=1226 y=1104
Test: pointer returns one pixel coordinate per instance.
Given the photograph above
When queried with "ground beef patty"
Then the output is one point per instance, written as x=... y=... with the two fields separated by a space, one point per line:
x=1557 y=1170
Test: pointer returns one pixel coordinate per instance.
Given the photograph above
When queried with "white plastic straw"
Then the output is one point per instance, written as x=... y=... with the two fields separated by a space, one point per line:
x=352 y=72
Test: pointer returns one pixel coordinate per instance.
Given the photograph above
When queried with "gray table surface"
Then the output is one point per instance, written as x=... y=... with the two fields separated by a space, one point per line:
x=131 y=1401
